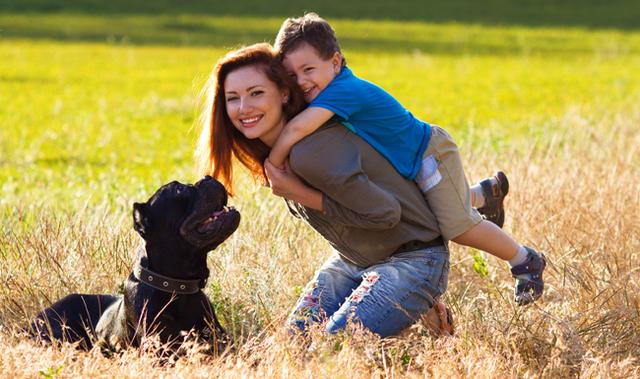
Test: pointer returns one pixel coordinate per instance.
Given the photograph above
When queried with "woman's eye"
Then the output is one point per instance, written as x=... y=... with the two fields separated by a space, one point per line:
x=308 y=69
x=257 y=93
x=230 y=99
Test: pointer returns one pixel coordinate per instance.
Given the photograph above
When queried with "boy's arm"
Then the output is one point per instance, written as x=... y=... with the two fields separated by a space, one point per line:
x=305 y=123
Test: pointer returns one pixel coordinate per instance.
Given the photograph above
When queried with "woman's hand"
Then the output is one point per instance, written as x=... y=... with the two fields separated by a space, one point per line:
x=285 y=183
x=282 y=181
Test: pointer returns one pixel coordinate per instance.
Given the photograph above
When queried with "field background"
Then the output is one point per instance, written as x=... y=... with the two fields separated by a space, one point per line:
x=97 y=108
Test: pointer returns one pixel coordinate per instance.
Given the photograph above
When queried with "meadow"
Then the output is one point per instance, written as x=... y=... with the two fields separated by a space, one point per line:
x=98 y=108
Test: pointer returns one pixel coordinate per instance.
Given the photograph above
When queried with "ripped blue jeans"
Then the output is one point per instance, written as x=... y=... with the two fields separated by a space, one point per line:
x=385 y=298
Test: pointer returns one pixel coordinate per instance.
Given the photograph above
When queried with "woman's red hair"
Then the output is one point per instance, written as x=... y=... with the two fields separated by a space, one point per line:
x=219 y=139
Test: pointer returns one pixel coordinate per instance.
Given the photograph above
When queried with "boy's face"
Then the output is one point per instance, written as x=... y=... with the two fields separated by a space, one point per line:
x=312 y=72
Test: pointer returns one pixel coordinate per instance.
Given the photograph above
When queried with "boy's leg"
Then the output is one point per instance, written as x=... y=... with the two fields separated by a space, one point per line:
x=450 y=201
x=324 y=294
x=487 y=236
x=394 y=294
x=477 y=195
x=530 y=264
x=448 y=194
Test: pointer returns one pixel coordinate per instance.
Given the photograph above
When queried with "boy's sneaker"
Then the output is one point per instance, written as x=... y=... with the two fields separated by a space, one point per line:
x=529 y=282
x=493 y=209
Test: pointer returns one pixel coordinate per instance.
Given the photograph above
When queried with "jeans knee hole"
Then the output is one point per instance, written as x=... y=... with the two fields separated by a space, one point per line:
x=369 y=279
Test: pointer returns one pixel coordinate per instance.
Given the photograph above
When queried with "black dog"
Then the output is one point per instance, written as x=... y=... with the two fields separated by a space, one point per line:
x=180 y=225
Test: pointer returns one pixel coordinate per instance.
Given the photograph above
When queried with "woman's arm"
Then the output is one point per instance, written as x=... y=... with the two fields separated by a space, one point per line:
x=332 y=165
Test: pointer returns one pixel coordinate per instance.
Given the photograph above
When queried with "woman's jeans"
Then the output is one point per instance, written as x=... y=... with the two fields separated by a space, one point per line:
x=385 y=298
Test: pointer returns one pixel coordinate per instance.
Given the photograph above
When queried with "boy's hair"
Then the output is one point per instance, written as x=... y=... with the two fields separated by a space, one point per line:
x=311 y=29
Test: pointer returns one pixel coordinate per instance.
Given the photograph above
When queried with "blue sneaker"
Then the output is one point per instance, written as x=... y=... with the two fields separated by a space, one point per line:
x=494 y=194
x=529 y=282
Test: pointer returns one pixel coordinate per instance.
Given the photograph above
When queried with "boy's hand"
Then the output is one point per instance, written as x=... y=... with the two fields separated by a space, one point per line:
x=283 y=181
x=276 y=161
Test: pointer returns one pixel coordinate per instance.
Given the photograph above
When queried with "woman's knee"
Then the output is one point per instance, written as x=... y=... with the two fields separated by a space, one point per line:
x=321 y=297
x=383 y=304
x=394 y=295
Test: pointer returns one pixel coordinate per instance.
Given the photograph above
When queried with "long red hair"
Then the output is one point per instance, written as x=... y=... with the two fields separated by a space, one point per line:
x=219 y=139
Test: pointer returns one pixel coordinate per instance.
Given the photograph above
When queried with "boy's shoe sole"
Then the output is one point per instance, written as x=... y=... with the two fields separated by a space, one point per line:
x=494 y=194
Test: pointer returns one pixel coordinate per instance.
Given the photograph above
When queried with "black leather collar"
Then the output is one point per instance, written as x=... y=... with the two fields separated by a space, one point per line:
x=166 y=284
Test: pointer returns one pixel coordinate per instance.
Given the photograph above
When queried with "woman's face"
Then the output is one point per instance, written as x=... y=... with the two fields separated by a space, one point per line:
x=254 y=104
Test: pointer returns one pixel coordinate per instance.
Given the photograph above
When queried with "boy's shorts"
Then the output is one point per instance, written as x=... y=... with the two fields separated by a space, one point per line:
x=443 y=183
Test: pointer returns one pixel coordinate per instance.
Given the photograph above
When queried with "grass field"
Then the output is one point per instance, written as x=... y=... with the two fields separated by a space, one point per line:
x=97 y=109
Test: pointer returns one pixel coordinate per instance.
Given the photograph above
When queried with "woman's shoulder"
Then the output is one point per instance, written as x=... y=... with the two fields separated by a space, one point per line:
x=331 y=130
x=328 y=146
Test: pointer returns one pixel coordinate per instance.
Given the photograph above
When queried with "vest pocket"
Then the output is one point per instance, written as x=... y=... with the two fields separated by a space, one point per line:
x=428 y=176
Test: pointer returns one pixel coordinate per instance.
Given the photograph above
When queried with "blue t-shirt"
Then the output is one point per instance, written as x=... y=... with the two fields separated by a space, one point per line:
x=377 y=117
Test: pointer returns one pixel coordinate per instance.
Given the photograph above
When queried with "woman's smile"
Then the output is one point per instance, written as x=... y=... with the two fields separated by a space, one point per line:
x=250 y=122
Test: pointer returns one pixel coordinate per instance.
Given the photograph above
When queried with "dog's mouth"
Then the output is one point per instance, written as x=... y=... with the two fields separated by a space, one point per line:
x=213 y=222
x=208 y=229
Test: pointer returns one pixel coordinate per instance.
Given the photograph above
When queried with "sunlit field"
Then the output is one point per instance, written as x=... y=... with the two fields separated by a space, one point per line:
x=98 y=106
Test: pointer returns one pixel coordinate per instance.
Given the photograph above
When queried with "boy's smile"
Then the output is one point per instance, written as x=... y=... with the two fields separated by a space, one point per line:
x=312 y=72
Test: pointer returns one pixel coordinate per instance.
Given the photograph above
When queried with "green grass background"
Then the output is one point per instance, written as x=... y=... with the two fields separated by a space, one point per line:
x=98 y=99
x=97 y=107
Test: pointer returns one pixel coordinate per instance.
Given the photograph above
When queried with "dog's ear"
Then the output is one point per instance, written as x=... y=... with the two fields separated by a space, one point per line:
x=140 y=220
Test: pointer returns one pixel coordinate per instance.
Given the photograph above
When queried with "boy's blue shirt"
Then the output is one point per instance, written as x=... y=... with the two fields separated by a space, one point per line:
x=377 y=117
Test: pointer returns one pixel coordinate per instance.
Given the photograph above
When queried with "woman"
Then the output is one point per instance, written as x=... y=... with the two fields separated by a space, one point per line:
x=391 y=263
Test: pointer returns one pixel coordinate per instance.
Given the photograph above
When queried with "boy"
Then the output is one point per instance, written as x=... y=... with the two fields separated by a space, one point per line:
x=425 y=153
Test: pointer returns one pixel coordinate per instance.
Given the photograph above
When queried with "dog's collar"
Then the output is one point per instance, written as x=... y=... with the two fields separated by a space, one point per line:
x=166 y=284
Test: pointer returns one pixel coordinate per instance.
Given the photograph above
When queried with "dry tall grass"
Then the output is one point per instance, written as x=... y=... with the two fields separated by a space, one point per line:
x=575 y=196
